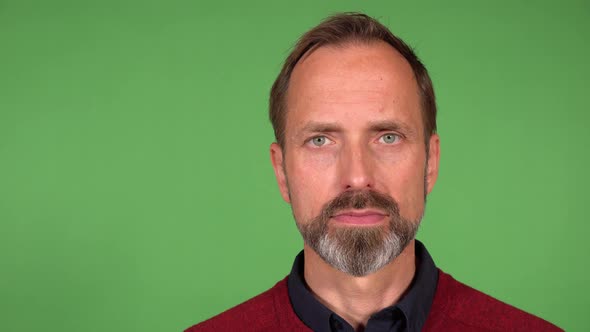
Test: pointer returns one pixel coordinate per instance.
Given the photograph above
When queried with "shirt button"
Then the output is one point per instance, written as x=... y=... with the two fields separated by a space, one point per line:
x=336 y=325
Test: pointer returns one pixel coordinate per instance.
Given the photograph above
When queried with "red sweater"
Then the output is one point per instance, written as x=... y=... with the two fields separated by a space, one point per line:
x=456 y=307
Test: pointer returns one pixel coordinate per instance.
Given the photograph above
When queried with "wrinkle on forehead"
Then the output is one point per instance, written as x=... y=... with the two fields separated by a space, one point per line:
x=335 y=83
x=341 y=72
x=378 y=58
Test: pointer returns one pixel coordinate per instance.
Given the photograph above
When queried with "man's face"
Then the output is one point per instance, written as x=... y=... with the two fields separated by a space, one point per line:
x=354 y=128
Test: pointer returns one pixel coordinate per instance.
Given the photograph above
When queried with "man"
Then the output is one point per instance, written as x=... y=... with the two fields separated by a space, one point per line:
x=354 y=116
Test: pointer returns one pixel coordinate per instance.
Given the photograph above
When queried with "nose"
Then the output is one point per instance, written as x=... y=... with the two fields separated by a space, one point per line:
x=356 y=168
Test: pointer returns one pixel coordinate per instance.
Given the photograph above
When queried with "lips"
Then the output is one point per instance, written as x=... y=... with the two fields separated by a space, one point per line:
x=359 y=217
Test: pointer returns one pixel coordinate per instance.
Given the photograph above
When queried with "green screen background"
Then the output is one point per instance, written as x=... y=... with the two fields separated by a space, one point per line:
x=136 y=191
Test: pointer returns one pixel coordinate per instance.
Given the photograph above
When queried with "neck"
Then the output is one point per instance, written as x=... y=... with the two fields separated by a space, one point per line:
x=356 y=298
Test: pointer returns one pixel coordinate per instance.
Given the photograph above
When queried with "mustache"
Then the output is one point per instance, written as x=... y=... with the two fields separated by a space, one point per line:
x=360 y=199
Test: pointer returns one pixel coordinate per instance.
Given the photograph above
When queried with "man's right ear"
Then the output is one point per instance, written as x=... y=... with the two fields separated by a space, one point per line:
x=277 y=159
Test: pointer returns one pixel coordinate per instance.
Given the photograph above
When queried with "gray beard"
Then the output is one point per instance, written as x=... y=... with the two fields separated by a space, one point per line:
x=359 y=251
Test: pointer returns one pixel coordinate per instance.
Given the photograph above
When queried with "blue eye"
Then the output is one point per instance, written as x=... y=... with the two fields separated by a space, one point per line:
x=319 y=140
x=389 y=138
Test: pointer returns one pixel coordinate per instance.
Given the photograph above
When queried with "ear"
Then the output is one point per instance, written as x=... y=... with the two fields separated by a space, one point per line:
x=433 y=162
x=277 y=159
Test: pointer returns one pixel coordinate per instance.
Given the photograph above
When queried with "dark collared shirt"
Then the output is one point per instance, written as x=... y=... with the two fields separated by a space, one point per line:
x=409 y=314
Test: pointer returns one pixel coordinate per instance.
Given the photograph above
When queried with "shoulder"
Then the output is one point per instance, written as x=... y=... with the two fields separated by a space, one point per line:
x=468 y=308
x=256 y=314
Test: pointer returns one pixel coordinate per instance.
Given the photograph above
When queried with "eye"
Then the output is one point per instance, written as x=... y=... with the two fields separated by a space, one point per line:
x=319 y=141
x=389 y=138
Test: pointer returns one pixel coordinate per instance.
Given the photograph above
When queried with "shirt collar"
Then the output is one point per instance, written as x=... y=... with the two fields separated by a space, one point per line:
x=415 y=303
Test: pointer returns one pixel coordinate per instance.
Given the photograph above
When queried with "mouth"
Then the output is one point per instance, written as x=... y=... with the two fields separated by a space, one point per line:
x=363 y=217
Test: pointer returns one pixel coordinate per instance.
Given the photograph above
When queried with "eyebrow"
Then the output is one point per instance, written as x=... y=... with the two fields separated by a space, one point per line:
x=320 y=127
x=391 y=125
x=374 y=126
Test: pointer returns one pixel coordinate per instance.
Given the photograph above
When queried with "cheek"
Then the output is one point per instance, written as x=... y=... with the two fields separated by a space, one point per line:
x=314 y=169
x=414 y=196
x=317 y=161
x=310 y=177
x=402 y=176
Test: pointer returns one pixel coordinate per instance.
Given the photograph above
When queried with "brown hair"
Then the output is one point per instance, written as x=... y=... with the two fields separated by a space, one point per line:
x=337 y=30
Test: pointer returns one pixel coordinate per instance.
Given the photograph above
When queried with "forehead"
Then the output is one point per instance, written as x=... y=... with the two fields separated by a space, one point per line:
x=340 y=82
